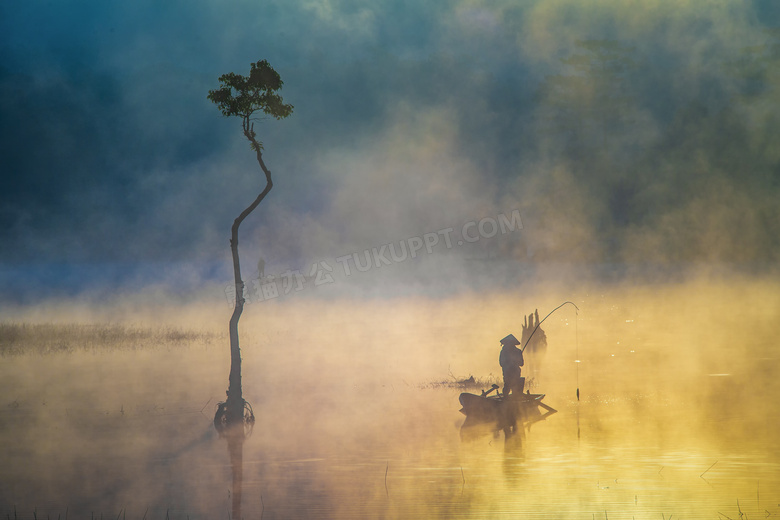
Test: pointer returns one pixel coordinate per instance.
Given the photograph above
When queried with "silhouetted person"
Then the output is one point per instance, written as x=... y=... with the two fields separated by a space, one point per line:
x=261 y=269
x=511 y=359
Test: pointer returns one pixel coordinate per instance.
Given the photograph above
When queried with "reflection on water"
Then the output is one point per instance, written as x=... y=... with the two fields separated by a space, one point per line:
x=235 y=441
x=662 y=429
x=235 y=434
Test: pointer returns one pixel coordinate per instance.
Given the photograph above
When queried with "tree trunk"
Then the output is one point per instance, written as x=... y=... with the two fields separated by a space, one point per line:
x=235 y=399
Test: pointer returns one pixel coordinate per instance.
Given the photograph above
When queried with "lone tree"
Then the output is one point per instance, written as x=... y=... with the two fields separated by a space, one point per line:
x=247 y=97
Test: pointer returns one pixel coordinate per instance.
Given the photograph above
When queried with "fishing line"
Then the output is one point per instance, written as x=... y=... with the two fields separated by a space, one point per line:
x=577 y=342
x=577 y=346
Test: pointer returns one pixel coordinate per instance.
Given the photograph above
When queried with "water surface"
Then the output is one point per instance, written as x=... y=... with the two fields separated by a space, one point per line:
x=677 y=415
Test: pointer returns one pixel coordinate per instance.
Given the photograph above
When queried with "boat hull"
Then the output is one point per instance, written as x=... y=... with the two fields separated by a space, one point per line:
x=512 y=413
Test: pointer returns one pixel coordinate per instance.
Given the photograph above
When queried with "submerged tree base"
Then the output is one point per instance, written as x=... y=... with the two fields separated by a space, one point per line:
x=223 y=422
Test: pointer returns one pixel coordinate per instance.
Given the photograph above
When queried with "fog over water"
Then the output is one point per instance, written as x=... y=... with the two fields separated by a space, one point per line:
x=448 y=169
x=352 y=420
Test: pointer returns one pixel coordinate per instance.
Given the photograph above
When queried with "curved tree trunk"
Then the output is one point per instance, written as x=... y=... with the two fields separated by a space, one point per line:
x=235 y=400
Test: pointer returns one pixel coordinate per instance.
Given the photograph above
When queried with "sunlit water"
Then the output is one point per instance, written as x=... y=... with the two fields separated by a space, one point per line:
x=677 y=417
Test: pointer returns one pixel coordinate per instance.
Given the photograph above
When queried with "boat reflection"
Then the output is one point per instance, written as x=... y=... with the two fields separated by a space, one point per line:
x=512 y=414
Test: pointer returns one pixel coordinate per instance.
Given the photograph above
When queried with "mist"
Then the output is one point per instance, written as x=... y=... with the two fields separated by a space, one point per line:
x=635 y=134
x=447 y=170
x=348 y=391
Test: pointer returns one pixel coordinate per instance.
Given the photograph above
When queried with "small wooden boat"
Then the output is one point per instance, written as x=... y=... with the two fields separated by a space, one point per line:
x=512 y=414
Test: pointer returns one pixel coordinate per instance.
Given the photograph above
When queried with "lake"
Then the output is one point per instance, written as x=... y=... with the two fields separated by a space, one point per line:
x=356 y=407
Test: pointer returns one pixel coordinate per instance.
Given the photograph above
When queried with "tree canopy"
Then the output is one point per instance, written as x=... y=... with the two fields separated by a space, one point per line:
x=244 y=95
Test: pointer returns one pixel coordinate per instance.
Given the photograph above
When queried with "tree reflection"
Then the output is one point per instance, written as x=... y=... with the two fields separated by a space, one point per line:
x=235 y=432
x=235 y=439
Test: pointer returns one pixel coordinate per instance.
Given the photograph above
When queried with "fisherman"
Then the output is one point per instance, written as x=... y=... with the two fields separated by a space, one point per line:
x=511 y=359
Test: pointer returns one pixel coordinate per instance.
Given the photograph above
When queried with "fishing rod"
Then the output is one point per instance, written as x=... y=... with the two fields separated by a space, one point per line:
x=578 y=353
x=539 y=324
x=576 y=333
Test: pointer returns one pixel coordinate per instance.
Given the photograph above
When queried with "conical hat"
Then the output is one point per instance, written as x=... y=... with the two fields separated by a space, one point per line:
x=510 y=340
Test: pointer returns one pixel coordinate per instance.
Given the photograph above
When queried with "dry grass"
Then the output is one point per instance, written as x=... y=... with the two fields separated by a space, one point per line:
x=43 y=339
x=465 y=383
